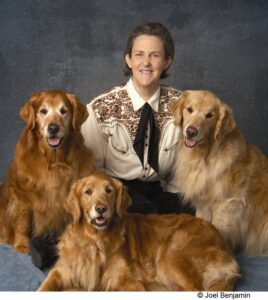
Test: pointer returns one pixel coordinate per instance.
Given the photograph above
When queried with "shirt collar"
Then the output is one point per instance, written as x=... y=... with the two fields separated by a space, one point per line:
x=138 y=101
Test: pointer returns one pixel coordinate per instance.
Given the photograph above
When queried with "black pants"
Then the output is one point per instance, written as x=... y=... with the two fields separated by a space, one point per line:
x=43 y=250
x=149 y=197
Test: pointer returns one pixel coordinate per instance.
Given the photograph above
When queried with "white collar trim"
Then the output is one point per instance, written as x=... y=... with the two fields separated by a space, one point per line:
x=138 y=101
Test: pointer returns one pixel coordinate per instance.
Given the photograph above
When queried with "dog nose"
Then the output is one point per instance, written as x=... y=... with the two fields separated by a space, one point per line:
x=191 y=132
x=100 y=208
x=53 y=128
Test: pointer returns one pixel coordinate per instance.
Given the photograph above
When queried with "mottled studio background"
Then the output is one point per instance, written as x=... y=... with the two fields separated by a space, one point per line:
x=77 y=46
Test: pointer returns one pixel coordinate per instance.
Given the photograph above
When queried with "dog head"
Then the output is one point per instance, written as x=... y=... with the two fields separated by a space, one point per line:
x=53 y=113
x=202 y=116
x=97 y=199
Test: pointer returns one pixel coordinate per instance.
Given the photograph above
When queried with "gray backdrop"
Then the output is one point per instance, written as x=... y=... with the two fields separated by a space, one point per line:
x=77 y=46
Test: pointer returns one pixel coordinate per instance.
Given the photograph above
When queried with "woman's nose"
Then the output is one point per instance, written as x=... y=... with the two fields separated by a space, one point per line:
x=147 y=61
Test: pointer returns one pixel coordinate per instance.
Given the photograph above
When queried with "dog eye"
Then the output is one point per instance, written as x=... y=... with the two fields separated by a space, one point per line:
x=43 y=111
x=63 y=110
x=108 y=189
x=88 y=191
x=208 y=115
x=190 y=110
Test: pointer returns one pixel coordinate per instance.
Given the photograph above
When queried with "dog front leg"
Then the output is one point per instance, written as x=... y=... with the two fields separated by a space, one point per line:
x=227 y=218
x=131 y=285
x=20 y=218
x=21 y=234
x=53 y=282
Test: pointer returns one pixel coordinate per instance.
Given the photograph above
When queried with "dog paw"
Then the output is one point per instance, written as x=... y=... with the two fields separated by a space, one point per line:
x=22 y=249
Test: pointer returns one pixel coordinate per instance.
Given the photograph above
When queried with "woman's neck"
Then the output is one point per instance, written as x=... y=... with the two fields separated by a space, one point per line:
x=145 y=92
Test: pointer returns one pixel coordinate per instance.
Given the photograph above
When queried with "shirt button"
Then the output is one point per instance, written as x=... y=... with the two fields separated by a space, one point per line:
x=146 y=145
x=145 y=168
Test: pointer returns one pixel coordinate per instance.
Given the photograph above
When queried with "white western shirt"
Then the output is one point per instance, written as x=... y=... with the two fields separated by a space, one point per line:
x=111 y=128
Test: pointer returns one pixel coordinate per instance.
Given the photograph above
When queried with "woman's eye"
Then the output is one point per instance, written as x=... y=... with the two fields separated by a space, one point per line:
x=43 y=111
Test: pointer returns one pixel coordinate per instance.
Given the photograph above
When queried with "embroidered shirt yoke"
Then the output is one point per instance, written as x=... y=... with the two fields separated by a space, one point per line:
x=112 y=126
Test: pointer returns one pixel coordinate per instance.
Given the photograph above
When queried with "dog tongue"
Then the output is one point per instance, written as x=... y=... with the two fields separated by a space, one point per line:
x=54 y=141
x=100 y=220
x=190 y=143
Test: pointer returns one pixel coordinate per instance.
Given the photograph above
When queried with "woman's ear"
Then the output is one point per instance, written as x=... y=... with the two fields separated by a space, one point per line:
x=128 y=60
x=72 y=202
x=123 y=200
x=168 y=62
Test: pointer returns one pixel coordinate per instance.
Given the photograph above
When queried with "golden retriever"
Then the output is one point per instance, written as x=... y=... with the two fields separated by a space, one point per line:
x=49 y=156
x=106 y=249
x=224 y=176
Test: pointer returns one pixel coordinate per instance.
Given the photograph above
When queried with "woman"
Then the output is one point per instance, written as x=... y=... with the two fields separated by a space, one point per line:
x=130 y=129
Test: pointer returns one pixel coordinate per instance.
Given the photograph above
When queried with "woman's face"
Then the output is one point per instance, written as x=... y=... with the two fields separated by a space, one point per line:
x=147 y=62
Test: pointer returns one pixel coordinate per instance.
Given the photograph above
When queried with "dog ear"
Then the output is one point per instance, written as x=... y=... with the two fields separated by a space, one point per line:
x=123 y=200
x=72 y=202
x=176 y=108
x=80 y=112
x=27 y=112
x=226 y=122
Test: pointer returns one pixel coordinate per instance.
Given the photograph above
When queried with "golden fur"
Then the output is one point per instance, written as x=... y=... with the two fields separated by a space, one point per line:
x=49 y=156
x=224 y=176
x=106 y=249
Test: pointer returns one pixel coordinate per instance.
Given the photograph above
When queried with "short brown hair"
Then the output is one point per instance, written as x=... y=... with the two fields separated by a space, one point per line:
x=151 y=28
